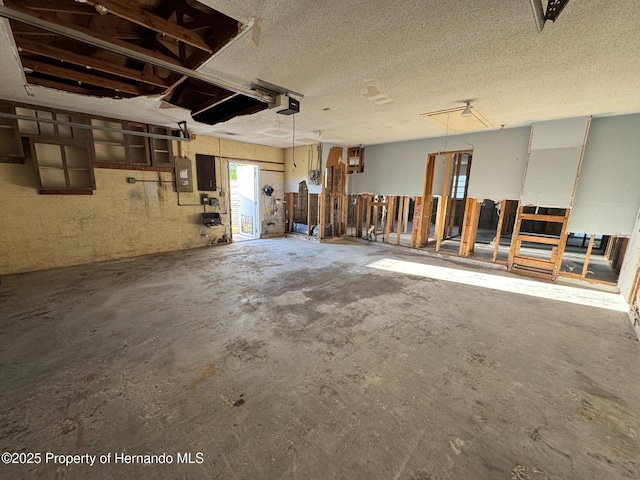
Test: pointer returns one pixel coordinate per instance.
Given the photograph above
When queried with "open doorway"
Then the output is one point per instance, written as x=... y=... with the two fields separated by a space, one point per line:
x=245 y=217
x=594 y=258
x=444 y=199
x=487 y=229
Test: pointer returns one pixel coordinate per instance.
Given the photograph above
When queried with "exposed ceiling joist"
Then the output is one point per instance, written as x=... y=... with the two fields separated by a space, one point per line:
x=153 y=22
x=212 y=104
x=165 y=50
x=91 y=63
x=65 y=73
x=132 y=51
x=121 y=32
x=60 y=6
x=49 y=83
x=51 y=23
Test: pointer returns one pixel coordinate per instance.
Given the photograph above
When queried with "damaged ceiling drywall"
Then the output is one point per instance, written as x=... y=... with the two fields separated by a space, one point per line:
x=112 y=49
x=420 y=56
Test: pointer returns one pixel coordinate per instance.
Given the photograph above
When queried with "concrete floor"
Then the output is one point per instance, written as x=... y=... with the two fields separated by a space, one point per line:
x=289 y=359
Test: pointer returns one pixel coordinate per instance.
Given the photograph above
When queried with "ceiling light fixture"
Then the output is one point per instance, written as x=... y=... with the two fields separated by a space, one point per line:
x=467 y=111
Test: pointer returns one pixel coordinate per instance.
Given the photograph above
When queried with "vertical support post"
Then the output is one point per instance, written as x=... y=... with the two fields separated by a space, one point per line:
x=453 y=192
x=441 y=213
x=368 y=224
x=322 y=206
x=391 y=210
x=405 y=214
x=496 y=246
x=515 y=242
x=308 y=214
x=401 y=218
x=383 y=217
x=563 y=243
x=376 y=201
x=424 y=219
x=289 y=211
x=466 y=235
x=358 y=214
x=332 y=205
x=417 y=213
x=587 y=257
x=343 y=200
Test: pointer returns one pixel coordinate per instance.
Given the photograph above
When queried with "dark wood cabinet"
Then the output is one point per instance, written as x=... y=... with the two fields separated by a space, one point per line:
x=138 y=146
x=11 y=150
x=206 y=172
x=161 y=151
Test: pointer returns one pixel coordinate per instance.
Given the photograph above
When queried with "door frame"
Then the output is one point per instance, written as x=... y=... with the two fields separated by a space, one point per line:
x=257 y=204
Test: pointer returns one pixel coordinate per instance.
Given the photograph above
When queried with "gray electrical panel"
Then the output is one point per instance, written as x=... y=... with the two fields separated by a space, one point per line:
x=184 y=174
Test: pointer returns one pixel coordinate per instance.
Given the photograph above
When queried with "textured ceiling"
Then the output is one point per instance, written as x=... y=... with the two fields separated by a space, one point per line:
x=369 y=69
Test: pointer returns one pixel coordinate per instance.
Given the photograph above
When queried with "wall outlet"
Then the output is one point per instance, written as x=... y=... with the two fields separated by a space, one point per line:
x=204 y=198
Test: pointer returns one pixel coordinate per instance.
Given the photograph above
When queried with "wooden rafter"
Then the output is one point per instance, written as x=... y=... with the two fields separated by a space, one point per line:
x=45 y=50
x=196 y=59
x=27 y=30
x=88 y=31
x=126 y=32
x=212 y=103
x=65 y=73
x=76 y=8
x=496 y=246
x=153 y=22
x=44 y=82
x=165 y=50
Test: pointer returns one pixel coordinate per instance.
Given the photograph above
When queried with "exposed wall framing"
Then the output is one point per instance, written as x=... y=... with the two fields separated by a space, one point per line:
x=449 y=205
x=469 y=227
x=549 y=228
x=302 y=212
x=355 y=160
x=333 y=205
x=382 y=218
x=616 y=251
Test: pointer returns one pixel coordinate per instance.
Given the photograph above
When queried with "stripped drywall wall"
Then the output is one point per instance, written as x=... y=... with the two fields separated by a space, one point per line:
x=398 y=168
x=608 y=193
x=554 y=162
x=498 y=165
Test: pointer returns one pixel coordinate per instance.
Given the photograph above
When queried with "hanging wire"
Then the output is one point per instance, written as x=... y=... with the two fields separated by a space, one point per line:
x=293 y=142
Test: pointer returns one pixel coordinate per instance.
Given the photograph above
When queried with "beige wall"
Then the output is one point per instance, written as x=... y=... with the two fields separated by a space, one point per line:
x=119 y=220
x=271 y=163
x=306 y=157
